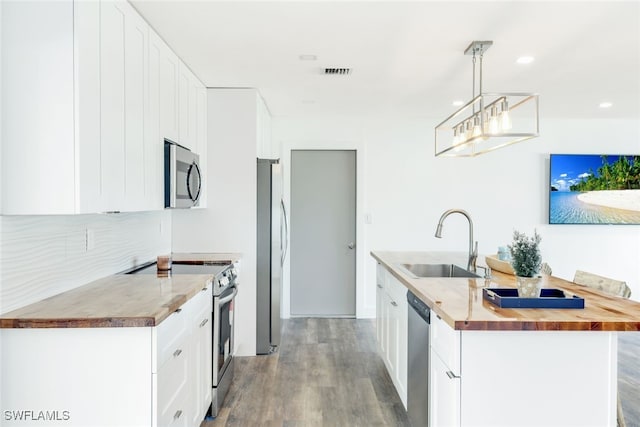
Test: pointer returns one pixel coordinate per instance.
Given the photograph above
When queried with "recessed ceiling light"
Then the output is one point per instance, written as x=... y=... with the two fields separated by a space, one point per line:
x=525 y=60
x=457 y=103
x=605 y=105
x=308 y=57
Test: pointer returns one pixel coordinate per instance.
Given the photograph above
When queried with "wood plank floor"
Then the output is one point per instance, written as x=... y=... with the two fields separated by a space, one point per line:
x=327 y=373
x=629 y=376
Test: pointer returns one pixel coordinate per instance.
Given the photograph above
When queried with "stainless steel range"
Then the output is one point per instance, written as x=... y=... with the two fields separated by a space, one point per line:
x=224 y=282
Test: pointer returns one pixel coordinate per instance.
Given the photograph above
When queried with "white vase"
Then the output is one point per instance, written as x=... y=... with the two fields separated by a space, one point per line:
x=529 y=287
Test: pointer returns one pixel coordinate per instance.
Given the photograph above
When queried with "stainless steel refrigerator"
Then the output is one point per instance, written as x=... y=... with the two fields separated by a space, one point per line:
x=271 y=251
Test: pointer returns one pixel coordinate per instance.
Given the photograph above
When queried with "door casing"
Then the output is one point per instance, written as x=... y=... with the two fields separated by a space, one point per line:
x=365 y=295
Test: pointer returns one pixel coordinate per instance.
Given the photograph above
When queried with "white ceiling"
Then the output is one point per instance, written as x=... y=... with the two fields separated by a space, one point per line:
x=407 y=57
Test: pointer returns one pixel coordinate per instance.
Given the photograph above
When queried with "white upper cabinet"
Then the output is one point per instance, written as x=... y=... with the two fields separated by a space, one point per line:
x=136 y=91
x=93 y=93
x=154 y=141
x=40 y=80
x=169 y=72
x=188 y=92
x=124 y=92
x=201 y=140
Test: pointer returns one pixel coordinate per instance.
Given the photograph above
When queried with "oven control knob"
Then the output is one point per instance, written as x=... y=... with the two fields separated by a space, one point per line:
x=224 y=281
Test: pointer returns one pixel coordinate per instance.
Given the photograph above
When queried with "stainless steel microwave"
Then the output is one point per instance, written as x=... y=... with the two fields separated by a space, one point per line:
x=182 y=177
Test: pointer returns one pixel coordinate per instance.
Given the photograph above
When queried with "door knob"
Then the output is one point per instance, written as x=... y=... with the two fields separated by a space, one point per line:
x=351 y=245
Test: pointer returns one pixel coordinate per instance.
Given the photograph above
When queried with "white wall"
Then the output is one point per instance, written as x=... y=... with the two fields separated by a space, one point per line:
x=407 y=189
x=41 y=256
x=1 y=106
x=228 y=224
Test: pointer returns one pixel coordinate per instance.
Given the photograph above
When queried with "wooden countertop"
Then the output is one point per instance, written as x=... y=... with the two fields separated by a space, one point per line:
x=120 y=300
x=200 y=257
x=460 y=303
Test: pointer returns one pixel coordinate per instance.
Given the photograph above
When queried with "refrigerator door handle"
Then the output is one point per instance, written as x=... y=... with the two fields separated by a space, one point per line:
x=284 y=240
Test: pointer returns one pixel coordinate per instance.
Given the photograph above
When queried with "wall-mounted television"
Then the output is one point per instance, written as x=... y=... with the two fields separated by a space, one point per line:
x=594 y=189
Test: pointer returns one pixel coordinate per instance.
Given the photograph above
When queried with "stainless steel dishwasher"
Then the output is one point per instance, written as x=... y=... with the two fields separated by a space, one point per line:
x=418 y=362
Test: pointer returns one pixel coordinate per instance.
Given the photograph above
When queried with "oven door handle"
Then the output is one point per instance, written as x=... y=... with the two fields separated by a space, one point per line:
x=228 y=298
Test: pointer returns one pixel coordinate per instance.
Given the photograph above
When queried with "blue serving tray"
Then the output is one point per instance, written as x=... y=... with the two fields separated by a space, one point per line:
x=549 y=298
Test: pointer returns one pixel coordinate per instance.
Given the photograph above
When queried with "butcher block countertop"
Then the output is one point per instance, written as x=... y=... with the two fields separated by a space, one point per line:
x=459 y=301
x=120 y=300
x=200 y=257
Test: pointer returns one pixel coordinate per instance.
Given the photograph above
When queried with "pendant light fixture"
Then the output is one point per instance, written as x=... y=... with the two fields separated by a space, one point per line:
x=490 y=120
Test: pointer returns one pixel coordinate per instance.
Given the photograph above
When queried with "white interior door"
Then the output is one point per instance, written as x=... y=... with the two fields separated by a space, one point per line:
x=323 y=233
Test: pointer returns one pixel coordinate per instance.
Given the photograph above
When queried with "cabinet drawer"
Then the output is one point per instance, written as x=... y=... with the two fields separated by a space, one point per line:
x=444 y=395
x=445 y=341
x=176 y=413
x=201 y=302
x=381 y=272
x=396 y=290
x=170 y=334
x=172 y=388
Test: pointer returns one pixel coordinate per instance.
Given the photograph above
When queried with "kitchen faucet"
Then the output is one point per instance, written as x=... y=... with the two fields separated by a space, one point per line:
x=473 y=251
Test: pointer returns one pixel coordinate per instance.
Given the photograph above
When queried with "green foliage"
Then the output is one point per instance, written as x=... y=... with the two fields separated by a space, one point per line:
x=525 y=254
x=623 y=174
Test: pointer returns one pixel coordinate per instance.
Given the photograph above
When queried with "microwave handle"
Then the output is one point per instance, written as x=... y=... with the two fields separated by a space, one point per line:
x=191 y=170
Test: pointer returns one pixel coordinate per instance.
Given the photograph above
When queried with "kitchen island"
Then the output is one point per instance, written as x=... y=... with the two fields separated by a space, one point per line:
x=510 y=367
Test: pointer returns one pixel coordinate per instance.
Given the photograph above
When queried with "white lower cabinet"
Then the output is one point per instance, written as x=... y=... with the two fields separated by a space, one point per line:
x=173 y=393
x=137 y=376
x=201 y=361
x=381 y=323
x=392 y=323
x=444 y=373
x=445 y=394
x=173 y=351
x=504 y=378
x=184 y=363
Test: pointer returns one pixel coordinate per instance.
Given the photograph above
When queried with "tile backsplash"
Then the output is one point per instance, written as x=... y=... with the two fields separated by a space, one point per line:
x=41 y=256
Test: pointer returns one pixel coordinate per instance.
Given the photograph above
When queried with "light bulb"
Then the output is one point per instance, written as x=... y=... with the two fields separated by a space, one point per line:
x=493 y=120
x=505 y=120
x=462 y=137
x=458 y=138
x=469 y=131
x=476 y=127
x=485 y=115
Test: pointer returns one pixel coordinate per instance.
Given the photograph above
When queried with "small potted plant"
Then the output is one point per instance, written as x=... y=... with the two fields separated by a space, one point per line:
x=526 y=262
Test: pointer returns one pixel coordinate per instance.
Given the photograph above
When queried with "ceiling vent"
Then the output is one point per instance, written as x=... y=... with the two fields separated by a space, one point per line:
x=337 y=71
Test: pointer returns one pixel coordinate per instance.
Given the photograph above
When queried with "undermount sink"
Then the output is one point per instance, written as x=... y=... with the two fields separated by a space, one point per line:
x=436 y=270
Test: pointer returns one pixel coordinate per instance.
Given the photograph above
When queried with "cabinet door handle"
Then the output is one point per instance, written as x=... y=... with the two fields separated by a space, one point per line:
x=379 y=285
x=178 y=310
x=204 y=322
x=393 y=303
x=451 y=375
x=178 y=414
x=177 y=353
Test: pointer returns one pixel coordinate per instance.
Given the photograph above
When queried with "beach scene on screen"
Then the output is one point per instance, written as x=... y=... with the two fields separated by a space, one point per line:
x=594 y=189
